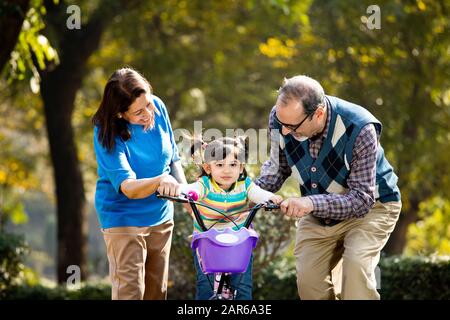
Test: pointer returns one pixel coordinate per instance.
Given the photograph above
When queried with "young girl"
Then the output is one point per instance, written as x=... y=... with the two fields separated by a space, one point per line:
x=223 y=184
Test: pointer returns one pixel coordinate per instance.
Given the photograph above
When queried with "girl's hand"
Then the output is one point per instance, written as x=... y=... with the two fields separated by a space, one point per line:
x=169 y=186
x=276 y=199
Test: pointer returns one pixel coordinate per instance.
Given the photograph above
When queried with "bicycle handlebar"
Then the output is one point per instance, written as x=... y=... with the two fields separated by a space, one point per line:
x=187 y=198
x=175 y=199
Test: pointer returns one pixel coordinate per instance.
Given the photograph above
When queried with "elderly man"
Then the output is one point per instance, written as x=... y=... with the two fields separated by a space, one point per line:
x=349 y=201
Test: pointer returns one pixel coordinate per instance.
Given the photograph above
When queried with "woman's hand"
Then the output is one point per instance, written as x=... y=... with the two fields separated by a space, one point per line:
x=141 y=188
x=169 y=186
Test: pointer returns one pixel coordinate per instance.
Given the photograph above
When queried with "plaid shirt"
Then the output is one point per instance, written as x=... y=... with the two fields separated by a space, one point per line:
x=361 y=181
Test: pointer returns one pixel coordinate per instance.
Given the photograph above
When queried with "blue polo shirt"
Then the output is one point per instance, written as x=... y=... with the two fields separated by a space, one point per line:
x=146 y=154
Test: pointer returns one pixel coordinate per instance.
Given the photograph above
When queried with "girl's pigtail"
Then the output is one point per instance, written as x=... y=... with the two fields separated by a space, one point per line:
x=197 y=150
x=242 y=143
x=243 y=147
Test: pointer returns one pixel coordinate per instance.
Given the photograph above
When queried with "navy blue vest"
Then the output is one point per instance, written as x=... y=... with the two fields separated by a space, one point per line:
x=329 y=172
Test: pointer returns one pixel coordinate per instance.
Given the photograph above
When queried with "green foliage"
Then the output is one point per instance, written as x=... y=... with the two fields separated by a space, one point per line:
x=23 y=119
x=431 y=234
x=415 y=278
x=91 y=292
x=31 y=44
x=401 y=279
x=222 y=61
x=15 y=211
x=398 y=72
x=277 y=281
x=15 y=177
x=39 y=292
x=12 y=252
x=196 y=50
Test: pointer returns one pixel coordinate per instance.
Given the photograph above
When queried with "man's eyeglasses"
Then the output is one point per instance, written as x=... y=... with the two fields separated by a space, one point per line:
x=292 y=127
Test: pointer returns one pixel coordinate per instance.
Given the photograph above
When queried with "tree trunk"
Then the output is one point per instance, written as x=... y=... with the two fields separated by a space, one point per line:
x=12 y=15
x=58 y=93
x=397 y=240
x=59 y=86
x=58 y=89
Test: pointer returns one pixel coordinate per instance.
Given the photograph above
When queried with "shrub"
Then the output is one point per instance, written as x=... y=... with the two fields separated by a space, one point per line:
x=39 y=292
x=12 y=252
x=402 y=278
x=415 y=278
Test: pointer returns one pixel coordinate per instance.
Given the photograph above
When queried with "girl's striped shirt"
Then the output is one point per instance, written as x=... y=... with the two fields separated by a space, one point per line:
x=230 y=203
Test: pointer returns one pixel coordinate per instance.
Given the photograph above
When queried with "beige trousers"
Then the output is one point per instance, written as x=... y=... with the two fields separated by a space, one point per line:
x=352 y=248
x=139 y=261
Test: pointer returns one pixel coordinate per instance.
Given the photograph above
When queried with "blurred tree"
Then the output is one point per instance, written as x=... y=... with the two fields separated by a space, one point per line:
x=203 y=57
x=62 y=78
x=21 y=150
x=60 y=83
x=21 y=23
x=30 y=46
x=15 y=178
x=12 y=15
x=431 y=234
x=204 y=60
x=221 y=62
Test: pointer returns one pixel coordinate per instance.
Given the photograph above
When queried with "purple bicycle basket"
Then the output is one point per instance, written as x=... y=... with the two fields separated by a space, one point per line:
x=224 y=250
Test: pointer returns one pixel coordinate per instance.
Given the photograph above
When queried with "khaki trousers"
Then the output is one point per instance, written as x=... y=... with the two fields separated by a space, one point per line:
x=139 y=261
x=352 y=248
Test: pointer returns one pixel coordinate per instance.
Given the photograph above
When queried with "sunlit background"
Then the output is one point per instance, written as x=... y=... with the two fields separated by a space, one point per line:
x=220 y=62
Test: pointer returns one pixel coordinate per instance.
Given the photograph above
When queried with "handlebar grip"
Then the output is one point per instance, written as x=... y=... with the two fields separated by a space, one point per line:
x=268 y=206
x=189 y=198
x=192 y=195
x=271 y=206
x=176 y=199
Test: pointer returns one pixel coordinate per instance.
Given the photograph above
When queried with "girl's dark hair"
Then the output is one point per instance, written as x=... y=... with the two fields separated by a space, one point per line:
x=121 y=90
x=219 y=149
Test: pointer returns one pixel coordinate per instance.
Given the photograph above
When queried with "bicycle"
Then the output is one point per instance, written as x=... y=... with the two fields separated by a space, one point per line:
x=222 y=252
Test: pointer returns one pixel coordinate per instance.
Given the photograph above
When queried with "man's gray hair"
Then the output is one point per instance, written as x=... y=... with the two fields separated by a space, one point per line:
x=302 y=89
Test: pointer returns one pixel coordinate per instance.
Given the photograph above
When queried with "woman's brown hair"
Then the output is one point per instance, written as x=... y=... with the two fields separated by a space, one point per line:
x=121 y=90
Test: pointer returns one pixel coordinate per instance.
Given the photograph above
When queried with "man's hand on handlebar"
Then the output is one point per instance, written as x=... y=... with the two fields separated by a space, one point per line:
x=276 y=199
x=297 y=207
x=274 y=204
